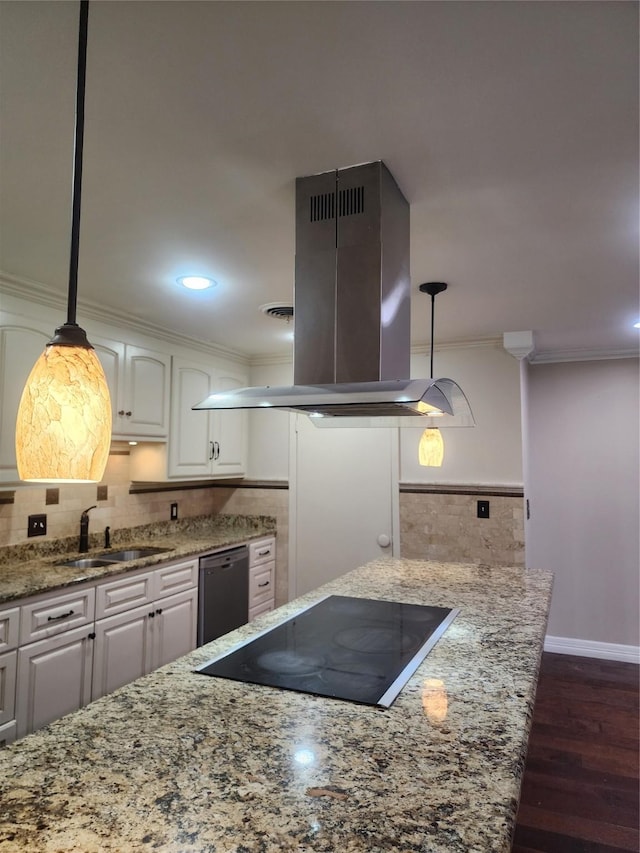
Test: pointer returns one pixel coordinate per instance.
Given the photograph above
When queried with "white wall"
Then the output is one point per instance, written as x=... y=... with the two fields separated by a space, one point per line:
x=583 y=488
x=269 y=429
x=489 y=453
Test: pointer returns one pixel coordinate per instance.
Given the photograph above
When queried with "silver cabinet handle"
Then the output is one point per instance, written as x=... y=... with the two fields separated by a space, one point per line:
x=217 y=456
x=211 y=450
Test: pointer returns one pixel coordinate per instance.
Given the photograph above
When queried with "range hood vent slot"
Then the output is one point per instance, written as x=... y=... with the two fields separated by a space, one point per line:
x=351 y=201
x=323 y=207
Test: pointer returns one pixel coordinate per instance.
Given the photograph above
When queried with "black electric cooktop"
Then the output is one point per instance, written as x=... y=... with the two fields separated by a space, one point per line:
x=358 y=649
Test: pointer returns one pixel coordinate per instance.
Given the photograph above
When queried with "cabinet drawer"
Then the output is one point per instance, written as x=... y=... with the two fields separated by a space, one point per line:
x=262 y=551
x=55 y=614
x=123 y=594
x=261 y=584
x=266 y=607
x=175 y=578
x=9 y=628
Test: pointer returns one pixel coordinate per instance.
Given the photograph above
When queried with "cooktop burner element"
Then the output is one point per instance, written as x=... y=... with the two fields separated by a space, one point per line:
x=358 y=649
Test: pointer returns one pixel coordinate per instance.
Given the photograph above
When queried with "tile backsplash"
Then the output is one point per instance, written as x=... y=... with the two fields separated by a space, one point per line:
x=443 y=524
x=123 y=508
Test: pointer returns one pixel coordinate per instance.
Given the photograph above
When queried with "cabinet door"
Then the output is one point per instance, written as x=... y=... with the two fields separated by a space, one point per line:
x=111 y=356
x=54 y=678
x=229 y=432
x=146 y=401
x=138 y=381
x=123 y=649
x=8 y=664
x=190 y=446
x=20 y=348
x=174 y=627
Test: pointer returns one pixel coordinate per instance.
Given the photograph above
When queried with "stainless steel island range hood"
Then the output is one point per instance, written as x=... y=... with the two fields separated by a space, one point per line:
x=352 y=304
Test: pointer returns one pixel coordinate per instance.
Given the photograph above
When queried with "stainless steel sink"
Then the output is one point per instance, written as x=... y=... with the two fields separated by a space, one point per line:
x=88 y=563
x=132 y=554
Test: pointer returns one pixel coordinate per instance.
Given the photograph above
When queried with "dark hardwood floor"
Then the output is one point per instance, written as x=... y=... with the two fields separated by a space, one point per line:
x=580 y=792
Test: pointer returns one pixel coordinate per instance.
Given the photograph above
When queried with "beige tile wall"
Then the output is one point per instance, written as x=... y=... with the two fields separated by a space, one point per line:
x=446 y=527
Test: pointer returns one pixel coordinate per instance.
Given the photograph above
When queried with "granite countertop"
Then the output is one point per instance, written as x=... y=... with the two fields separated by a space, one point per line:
x=180 y=762
x=31 y=568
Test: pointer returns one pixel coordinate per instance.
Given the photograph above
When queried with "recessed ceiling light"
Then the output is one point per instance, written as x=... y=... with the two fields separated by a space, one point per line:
x=196 y=282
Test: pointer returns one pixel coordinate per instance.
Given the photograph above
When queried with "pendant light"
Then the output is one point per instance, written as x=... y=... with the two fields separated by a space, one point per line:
x=431 y=447
x=63 y=429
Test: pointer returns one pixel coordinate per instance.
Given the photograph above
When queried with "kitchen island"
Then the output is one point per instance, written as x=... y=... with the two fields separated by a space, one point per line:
x=178 y=761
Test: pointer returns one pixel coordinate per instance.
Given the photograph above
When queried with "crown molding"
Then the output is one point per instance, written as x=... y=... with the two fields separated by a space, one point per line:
x=554 y=356
x=35 y=291
x=469 y=343
x=266 y=358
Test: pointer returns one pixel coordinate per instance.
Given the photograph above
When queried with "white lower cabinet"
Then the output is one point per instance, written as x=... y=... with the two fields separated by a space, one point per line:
x=78 y=645
x=262 y=577
x=130 y=644
x=54 y=678
x=61 y=650
x=122 y=650
x=174 y=627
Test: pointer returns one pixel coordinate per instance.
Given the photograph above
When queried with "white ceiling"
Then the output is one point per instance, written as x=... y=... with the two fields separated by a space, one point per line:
x=511 y=127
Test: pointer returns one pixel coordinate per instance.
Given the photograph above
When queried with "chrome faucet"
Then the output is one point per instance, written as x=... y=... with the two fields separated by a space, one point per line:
x=84 y=530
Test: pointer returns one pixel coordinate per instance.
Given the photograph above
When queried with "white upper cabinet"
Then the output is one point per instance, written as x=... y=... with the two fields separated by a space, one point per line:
x=139 y=382
x=201 y=444
x=21 y=344
x=152 y=392
x=209 y=444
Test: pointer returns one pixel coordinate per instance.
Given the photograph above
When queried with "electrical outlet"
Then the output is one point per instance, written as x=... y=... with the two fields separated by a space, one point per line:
x=483 y=509
x=37 y=525
x=174 y=511
x=102 y=493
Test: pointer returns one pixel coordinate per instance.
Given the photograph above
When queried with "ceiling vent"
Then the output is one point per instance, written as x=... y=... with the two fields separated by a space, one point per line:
x=279 y=310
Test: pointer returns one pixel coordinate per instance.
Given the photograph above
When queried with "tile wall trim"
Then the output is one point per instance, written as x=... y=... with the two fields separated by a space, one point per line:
x=148 y=488
x=484 y=491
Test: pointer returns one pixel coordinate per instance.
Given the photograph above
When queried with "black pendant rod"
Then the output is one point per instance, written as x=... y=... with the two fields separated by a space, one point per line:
x=433 y=288
x=77 y=163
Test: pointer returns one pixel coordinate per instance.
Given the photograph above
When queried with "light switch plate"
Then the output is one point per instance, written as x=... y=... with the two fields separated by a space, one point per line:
x=483 y=509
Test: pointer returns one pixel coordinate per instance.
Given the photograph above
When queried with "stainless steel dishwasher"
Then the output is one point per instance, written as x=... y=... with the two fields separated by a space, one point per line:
x=223 y=593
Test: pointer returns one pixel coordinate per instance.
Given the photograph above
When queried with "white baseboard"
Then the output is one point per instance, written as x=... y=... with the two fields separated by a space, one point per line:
x=592 y=649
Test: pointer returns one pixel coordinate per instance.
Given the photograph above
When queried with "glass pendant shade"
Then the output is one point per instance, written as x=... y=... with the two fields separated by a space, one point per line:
x=431 y=448
x=63 y=429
